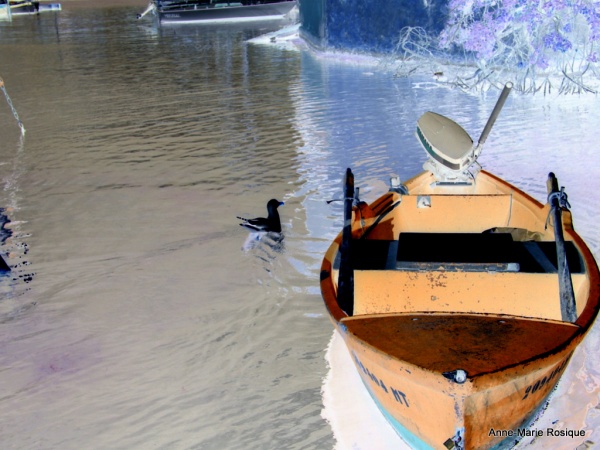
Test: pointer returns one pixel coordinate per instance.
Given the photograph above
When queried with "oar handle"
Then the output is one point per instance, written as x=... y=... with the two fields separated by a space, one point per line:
x=552 y=183
x=495 y=113
x=345 y=295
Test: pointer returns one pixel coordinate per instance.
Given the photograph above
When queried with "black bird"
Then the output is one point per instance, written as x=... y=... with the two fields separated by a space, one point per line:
x=271 y=223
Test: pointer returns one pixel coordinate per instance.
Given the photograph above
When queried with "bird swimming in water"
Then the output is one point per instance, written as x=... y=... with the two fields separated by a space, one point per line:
x=270 y=223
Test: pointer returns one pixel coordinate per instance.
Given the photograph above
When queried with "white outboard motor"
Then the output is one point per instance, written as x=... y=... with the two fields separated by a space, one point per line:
x=450 y=148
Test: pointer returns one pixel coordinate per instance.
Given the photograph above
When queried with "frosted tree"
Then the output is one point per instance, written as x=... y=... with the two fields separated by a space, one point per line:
x=540 y=44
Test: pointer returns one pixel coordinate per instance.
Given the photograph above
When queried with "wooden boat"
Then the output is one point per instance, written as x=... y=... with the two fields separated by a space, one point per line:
x=189 y=11
x=460 y=298
x=26 y=7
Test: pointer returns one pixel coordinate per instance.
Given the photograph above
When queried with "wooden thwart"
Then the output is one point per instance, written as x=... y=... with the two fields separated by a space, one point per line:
x=520 y=294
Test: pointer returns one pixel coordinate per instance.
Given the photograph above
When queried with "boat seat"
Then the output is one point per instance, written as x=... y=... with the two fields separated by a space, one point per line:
x=445 y=141
x=442 y=342
x=481 y=251
x=460 y=252
x=468 y=272
x=512 y=293
x=451 y=213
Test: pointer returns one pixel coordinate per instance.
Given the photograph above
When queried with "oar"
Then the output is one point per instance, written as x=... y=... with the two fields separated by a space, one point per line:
x=557 y=201
x=345 y=295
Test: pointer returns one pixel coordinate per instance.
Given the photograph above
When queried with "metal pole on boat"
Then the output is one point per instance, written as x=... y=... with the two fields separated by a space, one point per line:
x=495 y=113
x=345 y=295
x=558 y=202
x=149 y=8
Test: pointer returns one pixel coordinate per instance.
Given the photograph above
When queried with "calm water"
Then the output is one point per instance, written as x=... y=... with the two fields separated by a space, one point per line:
x=138 y=313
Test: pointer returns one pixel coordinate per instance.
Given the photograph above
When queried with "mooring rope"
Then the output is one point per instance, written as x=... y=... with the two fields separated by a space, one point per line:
x=11 y=106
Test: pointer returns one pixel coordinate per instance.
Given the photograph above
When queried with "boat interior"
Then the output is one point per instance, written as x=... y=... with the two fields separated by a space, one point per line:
x=487 y=272
x=441 y=271
x=456 y=241
x=447 y=290
x=519 y=270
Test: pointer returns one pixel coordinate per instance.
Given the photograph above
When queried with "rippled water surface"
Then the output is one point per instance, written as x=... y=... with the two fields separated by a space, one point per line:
x=138 y=314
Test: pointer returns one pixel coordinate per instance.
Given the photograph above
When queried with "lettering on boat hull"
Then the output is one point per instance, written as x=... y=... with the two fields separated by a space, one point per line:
x=399 y=396
x=539 y=384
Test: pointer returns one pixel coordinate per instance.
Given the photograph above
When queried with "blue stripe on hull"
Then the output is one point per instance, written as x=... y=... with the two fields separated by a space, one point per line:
x=417 y=444
x=406 y=435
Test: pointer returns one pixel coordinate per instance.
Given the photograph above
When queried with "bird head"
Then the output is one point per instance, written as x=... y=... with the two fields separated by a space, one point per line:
x=274 y=204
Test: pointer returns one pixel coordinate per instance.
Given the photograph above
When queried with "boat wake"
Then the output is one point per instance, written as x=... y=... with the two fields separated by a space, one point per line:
x=263 y=240
x=353 y=416
x=287 y=37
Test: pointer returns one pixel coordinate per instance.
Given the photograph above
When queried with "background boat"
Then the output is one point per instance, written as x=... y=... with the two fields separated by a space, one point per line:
x=203 y=10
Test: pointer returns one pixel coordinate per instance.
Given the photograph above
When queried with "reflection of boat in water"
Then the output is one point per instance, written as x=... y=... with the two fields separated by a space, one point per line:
x=460 y=298
x=182 y=11
x=5 y=233
x=4 y=10
x=10 y=8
